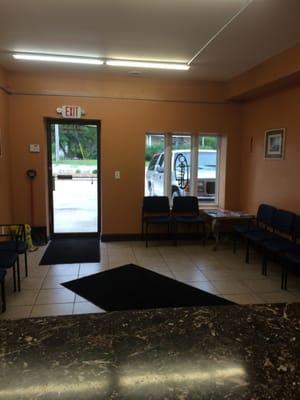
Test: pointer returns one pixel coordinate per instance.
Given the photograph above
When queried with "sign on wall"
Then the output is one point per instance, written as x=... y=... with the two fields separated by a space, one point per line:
x=70 y=111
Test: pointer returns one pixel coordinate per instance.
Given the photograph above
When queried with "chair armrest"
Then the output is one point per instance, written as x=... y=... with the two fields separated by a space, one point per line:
x=14 y=231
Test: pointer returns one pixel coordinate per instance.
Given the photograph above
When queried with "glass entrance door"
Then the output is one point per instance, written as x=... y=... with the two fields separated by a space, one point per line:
x=73 y=177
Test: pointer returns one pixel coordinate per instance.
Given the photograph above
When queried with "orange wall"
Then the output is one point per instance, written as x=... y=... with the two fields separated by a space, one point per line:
x=162 y=106
x=130 y=106
x=103 y=85
x=272 y=181
x=275 y=73
x=5 y=203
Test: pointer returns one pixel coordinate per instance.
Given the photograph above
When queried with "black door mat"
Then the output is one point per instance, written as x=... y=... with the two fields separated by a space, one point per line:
x=131 y=287
x=72 y=250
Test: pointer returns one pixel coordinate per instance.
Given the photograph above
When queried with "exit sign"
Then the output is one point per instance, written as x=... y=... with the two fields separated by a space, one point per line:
x=70 y=111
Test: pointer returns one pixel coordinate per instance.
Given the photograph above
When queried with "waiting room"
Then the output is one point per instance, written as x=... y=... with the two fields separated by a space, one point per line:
x=149 y=208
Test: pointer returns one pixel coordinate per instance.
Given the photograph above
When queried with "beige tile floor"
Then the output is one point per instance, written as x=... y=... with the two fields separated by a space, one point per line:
x=221 y=273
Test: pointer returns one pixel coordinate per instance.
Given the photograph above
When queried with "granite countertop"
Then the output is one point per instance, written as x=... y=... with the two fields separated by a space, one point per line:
x=222 y=352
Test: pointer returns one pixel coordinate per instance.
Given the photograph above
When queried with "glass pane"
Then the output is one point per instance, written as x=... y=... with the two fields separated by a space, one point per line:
x=181 y=165
x=207 y=168
x=154 y=165
x=75 y=174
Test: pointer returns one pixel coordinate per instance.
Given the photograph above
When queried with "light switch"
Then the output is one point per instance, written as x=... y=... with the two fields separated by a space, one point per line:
x=34 y=148
x=117 y=175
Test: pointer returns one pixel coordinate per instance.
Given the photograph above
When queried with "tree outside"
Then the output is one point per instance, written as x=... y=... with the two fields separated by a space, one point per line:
x=74 y=149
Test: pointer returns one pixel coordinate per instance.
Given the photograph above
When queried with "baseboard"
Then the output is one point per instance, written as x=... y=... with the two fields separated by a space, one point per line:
x=117 y=237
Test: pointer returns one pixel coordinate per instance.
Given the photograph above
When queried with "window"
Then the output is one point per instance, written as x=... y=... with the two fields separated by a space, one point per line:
x=207 y=176
x=154 y=165
x=182 y=164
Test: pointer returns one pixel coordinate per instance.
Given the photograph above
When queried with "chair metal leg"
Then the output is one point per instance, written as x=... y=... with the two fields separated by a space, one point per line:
x=204 y=234
x=264 y=264
x=247 y=252
x=282 y=278
x=3 y=295
x=18 y=274
x=26 y=263
x=234 y=243
x=170 y=231
x=285 y=280
x=147 y=234
x=217 y=240
x=14 y=277
x=175 y=233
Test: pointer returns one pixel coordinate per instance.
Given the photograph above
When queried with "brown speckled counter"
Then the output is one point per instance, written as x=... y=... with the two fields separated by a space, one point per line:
x=225 y=352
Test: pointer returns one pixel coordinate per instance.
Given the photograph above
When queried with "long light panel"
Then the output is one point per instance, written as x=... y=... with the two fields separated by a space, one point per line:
x=60 y=59
x=147 y=64
x=96 y=61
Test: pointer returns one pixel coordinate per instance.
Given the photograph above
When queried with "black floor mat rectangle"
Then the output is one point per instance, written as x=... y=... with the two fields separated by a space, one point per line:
x=131 y=287
x=72 y=250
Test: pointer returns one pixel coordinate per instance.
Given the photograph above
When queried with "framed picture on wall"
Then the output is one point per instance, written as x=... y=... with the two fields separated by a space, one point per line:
x=274 y=144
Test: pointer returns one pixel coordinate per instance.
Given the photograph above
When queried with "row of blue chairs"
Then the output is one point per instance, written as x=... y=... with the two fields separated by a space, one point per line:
x=12 y=245
x=276 y=233
x=185 y=210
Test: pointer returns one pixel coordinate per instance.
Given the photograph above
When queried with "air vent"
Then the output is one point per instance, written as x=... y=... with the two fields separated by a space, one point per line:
x=134 y=73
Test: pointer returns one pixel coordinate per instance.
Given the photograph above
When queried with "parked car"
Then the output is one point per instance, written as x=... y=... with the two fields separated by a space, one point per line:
x=180 y=174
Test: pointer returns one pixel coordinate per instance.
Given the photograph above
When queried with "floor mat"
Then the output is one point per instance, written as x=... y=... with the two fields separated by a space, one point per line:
x=131 y=287
x=70 y=251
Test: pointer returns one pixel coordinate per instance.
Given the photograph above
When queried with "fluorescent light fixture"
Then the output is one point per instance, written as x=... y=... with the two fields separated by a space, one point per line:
x=97 y=61
x=55 y=58
x=147 y=64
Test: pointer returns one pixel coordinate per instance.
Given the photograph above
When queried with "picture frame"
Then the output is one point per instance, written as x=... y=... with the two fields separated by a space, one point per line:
x=274 y=144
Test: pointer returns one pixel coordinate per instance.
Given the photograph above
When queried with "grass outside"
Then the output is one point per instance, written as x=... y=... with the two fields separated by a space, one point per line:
x=79 y=163
x=75 y=163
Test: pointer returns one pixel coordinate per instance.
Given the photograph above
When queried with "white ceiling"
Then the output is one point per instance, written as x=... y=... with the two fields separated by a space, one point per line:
x=169 y=30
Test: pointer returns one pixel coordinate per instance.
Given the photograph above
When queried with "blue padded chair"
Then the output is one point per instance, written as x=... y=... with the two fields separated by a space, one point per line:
x=264 y=216
x=15 y=241
x=2 y=282
x=283 y=224
x=8 y=259
x=185 y=211
x=290 y=258
x=155 y=211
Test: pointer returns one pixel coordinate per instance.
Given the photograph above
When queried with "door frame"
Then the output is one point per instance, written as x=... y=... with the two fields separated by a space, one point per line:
x=48 y=123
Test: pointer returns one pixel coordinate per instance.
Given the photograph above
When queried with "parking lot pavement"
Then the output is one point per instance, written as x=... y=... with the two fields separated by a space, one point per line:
x=75 y=206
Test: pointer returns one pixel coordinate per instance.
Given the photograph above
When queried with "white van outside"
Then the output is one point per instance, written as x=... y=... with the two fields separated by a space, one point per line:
x=180 y=174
